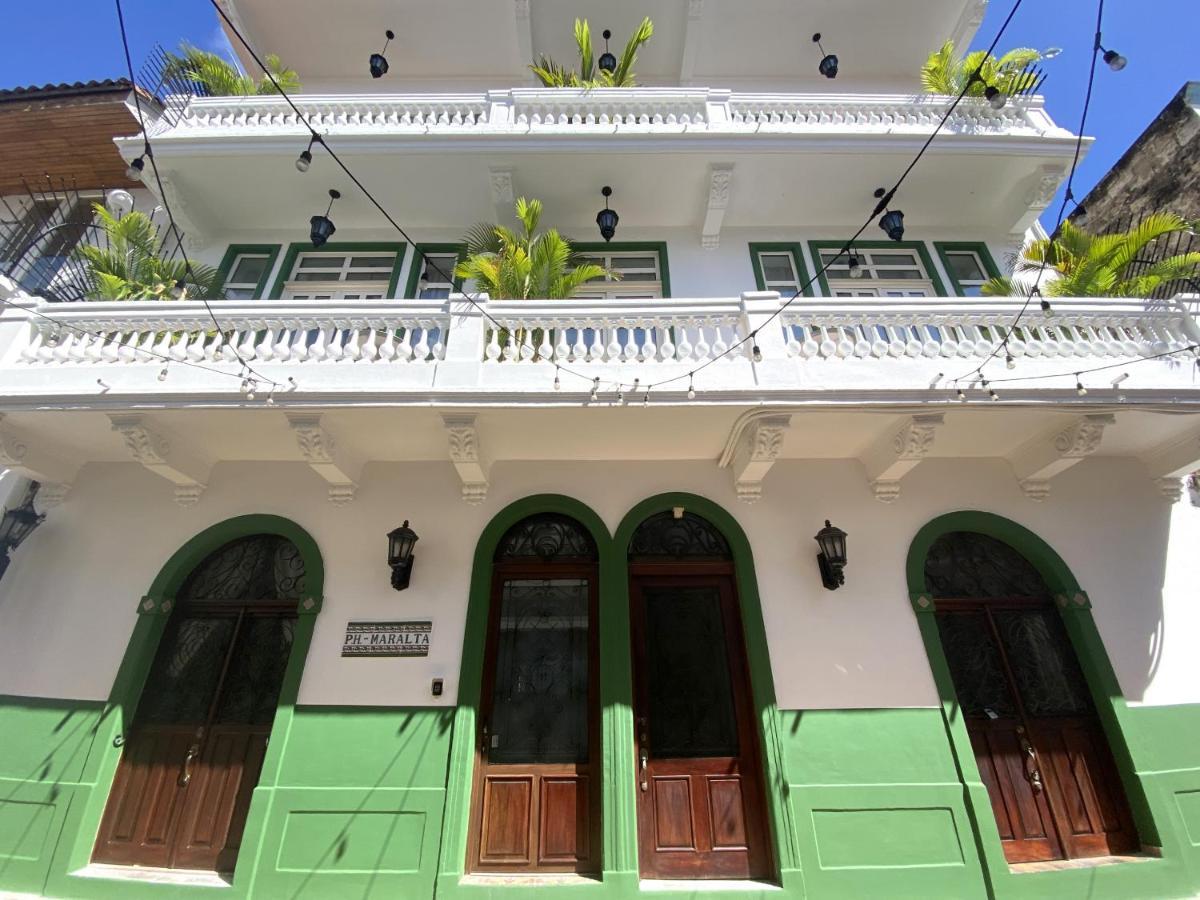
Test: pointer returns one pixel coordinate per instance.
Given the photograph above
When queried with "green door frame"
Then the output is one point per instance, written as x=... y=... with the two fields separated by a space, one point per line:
x=617 y=757
x=153 y=612
x=1076 y=610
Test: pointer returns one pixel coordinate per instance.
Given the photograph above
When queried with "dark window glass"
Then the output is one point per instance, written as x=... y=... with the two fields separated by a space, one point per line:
x=690 y=694
x=186 y=671
x=255 y=568
x=256 y=670
x=539 y=702
x=968 y=565
x=975 y=664
x=1043 y=662
x=687 y=537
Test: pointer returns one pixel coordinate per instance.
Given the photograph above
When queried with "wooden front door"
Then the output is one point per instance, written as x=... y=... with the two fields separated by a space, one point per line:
x=701 y=811
x=196 y=746
x=1038 y=742
x=535 y=804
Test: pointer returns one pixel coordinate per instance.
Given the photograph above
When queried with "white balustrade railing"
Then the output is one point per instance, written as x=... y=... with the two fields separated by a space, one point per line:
x=548 y=110
x=258 y=332
x=462 y=344
x=973 y=328
x=572 y=331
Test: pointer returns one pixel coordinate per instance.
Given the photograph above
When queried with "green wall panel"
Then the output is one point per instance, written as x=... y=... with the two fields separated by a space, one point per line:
x=886 y=838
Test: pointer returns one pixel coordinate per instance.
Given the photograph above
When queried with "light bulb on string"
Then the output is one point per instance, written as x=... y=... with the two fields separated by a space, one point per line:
x=1009 y=361
x=691 y=393
x=960 y=394
x=557 y=382
x=755 y=353
x=595 y=388
x=1079 y=388
x=304 y=160
x=162 y=376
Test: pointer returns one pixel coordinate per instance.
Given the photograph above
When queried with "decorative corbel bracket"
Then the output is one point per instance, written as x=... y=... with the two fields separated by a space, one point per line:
x=1171 y=462
x=323 y=455
x=154 y=450
x=1036 y=462
x=897 y=453
x=467 y=456
x=757 y=449
x=53 y=474
x=501 y=183
x=720 y=184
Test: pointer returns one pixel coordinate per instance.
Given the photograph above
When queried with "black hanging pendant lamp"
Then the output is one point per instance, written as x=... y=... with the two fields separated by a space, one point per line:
x=321 y=228
x=892 y=220
x=607 y=62
x=607 y=218
x=828 y=66
x=378 y=62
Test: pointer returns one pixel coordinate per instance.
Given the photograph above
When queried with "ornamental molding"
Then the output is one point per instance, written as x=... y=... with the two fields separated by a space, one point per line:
x=33 y=463
x=695 y=9
x=759 y=445
x=13 y=450
x=1171 y=489
x=896 y=453
x=152 y=449
x=145 y=446
x=1045 y=186
x=1043 y=458
x=462 y=438
x=321 y=451
x=720 y=185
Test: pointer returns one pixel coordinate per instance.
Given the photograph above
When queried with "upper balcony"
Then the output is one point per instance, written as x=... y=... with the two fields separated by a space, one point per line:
x=443 y=45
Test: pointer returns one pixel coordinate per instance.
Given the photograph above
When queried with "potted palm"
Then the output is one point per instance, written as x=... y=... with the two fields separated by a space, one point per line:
x=610 y=72
x=213 y=76
x=946 y=73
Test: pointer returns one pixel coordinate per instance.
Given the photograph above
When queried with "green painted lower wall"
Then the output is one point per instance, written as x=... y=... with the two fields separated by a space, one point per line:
x=357 y=803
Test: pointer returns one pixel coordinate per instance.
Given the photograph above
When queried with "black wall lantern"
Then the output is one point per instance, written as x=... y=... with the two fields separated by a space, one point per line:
x=607 y=218
x=379 y=63
x=607 y=62
x=828 y=66
x=17 y=524
x=832 y=558
x=321 y=228
x=400 y=554
x=892 y=220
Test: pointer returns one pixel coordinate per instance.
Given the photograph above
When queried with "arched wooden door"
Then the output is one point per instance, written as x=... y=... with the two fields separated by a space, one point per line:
x=196 y=747
x=700 y=801
x=1038 y=742
x=536 y=797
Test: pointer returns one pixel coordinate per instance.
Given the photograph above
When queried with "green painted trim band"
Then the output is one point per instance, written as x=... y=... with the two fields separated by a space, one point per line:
x=271 y=251
x=815 y=248
x=295 y=249
x=659 y=247
x=419 y=252
x=797 y=252
x=977 y=247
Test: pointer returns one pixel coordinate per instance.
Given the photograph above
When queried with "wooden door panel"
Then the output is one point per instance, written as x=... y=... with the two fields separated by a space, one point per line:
x=564 y=829
x=507 y=813
x=674 y=813
x=138 y=822
x=727 y=814
x=1023 y=817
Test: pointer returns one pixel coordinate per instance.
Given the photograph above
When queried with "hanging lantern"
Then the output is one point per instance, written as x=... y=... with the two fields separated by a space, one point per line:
x=378 y=62
x=321 y=228
x=828 y=66
x=892 y=221
x=607 y=62
x=607 y=218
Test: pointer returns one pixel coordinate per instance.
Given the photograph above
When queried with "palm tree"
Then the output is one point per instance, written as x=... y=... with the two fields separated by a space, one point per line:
x=944 y=73
x=517 y=265
x=215 y=77
x=1105 y=265
x=552 y=74
x=131 y=264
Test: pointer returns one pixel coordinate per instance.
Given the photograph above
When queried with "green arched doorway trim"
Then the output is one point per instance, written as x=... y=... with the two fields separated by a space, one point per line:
x=456 y=821
x=1076 y=610
x=779 y=807
x=153 y=612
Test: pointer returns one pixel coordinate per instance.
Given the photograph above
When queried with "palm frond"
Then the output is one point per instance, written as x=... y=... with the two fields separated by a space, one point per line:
x=583 y=40
x=624 y=76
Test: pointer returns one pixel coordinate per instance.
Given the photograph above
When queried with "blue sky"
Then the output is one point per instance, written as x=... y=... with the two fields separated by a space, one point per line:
x=1157 y=37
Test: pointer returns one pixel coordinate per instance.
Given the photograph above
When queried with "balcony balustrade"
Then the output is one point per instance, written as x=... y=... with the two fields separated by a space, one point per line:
x=393 y=348
x=608 y=110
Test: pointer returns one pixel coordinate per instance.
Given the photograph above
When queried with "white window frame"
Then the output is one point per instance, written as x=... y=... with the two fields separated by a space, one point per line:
x=447 y=286
x=869 y=286
x=328 y=290
x=968 y=283
x=785 y=288
x=251 y=287
x=608 y=288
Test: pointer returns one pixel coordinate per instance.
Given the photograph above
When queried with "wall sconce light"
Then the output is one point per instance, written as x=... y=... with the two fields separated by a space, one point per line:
x=321 y=228
x=400 y=554
x=832 y=558
x=607 y=218
x=378 y=62
x=17 y=524
x=828 y=66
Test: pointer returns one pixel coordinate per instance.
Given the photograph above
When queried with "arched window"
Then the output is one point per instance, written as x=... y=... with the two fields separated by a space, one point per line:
x=536 y=804
x=1038 y=741
x=199 y=736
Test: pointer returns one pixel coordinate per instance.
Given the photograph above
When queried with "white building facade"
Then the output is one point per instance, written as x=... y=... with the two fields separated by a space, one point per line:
x=614 y=665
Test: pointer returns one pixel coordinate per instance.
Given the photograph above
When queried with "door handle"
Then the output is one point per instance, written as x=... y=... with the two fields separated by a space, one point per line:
x=483 y=743
x=1032 y=775
x=186 y=774
x=643 y=759
x=643 y=754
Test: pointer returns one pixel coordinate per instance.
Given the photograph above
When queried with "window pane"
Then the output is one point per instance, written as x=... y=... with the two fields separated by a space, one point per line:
x=371 y=262
x=777 y=267
x=894 y=259
x=539 y=703
x=314 y=276
x=965 y=267
x=893 y=274
x=237 y=293
x=622 y=263
x=248 y=270
x=322 y=262
x=369 y=276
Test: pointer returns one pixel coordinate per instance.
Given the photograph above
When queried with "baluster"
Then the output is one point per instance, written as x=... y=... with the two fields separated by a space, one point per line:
x=351 y=347
x=612 y=350
x=720 y=345
x=545 y=351
x=246 y=348
x=703 y=347
x=562 y=350
x=683 y=349
x=420 y=350
x=862 y=346
x=510 y=345
x=387 y=350
x=179 y=348
x=197 y=348
x=30 y=351
x=579 y=348
x=649 y=352
x=80 y=347
x=282 y=348
x=439 y=345
x=879 y=344
x=667 y=348
x=845 y=346
x=127 y=352
x=369 y=350
x=264 y=349
x=299 y=346
x=404 y=350
x=96 y=348
x=335 y=346
x=63 y=351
